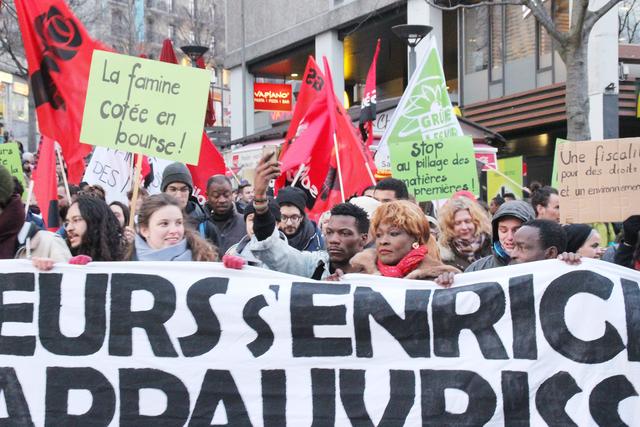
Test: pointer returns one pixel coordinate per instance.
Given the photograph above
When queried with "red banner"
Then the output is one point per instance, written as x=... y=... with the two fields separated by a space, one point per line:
x=272 y=97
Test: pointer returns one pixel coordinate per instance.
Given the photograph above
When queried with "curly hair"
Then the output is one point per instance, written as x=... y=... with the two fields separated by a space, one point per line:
x=200 y=248
x=448 y=212
x=103 y=239
x=404 y=215
x=540 y=196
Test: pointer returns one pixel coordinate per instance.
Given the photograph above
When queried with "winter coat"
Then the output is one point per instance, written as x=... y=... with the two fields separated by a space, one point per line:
x=277 y=255
x=243 y=249
x=499 y=258
x=200 y=222
x=430 y=267
x=42 y=244
x=231 y=229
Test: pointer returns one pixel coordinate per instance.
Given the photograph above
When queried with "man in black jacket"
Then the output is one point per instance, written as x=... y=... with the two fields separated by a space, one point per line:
x=222 y=211
x=177 y=182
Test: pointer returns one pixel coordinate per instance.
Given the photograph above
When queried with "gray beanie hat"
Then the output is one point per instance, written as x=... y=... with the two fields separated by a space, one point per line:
x=176 y=172
x=7 y=186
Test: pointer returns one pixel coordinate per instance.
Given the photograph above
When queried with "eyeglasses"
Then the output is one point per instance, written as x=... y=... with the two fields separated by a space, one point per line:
x=74 y=221
x=292 y=218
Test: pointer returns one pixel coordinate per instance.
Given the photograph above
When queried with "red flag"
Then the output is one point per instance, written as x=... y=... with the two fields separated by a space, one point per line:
x=210 y=161
x=58 y=50
x=45 y=184
x=210 y=116
x=368 y=106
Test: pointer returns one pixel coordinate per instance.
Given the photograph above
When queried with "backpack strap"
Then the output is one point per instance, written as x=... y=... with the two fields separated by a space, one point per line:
x=201 y=229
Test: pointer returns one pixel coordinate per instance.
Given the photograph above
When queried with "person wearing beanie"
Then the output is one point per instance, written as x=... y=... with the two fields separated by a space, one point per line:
x=302 y=233
x=177 y=182
x=221 y=209
x=583 y=240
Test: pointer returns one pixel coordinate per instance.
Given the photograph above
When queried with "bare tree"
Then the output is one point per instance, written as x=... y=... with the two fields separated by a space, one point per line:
x=572 y=46
x=629 y=21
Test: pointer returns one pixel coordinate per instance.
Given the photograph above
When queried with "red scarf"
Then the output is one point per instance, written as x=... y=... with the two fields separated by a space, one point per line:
x=406 y=264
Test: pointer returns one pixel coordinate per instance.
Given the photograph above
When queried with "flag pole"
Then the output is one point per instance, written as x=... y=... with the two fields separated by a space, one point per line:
x=64 y=175
x=298 y=175
x=234 y=175
x=28 y=201
x=506 y=177
x=134 y=196
x=335 y=146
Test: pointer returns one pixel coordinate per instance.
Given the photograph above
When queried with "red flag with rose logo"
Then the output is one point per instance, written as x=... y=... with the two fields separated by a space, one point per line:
x=58 y=50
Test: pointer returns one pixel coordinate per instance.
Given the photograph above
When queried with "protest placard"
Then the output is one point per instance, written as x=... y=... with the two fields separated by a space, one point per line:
x=554 y=171
x=144 y=106
x=599 y=181
x=435 y=169
x=424 y=111
x=151 y=344
x=10 y=159
x=510 y=181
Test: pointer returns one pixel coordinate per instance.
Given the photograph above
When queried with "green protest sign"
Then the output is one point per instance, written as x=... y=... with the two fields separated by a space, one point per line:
x=144 y=106
x=424 y=111
x=435 y=169
x=497 y=184
x=554 y=172
x=10 y=158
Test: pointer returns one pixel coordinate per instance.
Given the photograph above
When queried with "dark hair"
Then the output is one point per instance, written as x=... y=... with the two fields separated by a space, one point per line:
x=498 y=200
x=142 y=192
x=360 y=215
x=511 y=195
x=201 y=249
x=371 y=187
x=551 y=234
x=395 y=185
x=541 y=197
x=218 y=179
x=17 y=186
x=103 y=240
x=125 y=210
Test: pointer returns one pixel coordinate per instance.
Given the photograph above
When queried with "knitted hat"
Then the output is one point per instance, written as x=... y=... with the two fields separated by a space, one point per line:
x=273 y=207
x=577 y=234
x=292 y=196
x=6 y=185
x=176 y=172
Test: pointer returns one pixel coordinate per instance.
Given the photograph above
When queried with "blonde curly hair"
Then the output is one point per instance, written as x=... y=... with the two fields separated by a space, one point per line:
x=404 y=215
x=448 y=212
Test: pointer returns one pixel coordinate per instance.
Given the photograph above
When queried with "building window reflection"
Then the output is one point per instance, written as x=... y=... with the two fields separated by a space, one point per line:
x=476 y=30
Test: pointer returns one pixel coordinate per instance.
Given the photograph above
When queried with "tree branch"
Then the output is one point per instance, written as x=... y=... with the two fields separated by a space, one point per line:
x=543 y=17
x=593 y=17
x=479 y=4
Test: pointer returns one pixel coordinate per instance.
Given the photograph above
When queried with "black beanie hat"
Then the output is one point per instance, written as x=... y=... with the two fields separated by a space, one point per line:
x=6 y=185
x=292 y=196
x=273 y=207
x=577 y=234
x=176 y=172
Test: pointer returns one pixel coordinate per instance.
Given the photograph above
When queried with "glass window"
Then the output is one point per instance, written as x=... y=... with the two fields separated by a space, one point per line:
x=561 y=15
x=497 y=20
x=19 y=107
x=520 y=33
x=476 y=33
x=544 y=41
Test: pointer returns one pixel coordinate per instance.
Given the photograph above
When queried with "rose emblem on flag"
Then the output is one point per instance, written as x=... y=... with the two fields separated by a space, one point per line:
x=60 y=34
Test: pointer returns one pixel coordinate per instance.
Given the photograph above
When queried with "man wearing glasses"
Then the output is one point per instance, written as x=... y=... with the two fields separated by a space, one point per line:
x=302 y=233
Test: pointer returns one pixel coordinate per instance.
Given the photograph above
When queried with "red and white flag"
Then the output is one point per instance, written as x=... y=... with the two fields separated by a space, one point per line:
x=369 y=101
x=45 y=183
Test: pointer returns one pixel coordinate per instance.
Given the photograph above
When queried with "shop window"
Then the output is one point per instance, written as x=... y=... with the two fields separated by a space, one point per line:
x=19 y=107
x=497 y=42
x=476 y=43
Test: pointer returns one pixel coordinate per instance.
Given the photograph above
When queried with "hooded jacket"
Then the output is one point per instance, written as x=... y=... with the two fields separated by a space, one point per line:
x=499 y=258
x=200 y=221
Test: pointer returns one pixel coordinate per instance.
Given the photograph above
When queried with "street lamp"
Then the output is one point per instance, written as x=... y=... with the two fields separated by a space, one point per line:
x=411 y=35
x=194 y=53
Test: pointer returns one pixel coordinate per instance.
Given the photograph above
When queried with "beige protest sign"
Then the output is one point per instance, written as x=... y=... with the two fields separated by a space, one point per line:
x=599 y=181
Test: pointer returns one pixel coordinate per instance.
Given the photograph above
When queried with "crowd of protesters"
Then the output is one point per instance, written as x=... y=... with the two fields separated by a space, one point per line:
x=382 y=231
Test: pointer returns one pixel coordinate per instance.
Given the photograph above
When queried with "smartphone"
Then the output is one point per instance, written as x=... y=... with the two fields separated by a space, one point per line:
x=270 y=152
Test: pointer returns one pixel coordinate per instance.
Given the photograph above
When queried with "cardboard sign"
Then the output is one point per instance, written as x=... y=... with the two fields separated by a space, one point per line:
x=272 y=97
x=599 y=181
x=10 y=159
x=499 y=185
x=144 y=106
x=435 y=169
x=424 y=111
x=194 y=343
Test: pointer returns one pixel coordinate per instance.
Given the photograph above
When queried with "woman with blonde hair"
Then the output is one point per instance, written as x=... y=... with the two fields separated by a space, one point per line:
x=465 y=233
x=401 y=234
x=164 y=236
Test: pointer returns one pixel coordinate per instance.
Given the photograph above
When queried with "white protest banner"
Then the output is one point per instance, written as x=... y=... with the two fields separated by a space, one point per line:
x=111 y=169
x=197 y=344
x=424 y=111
